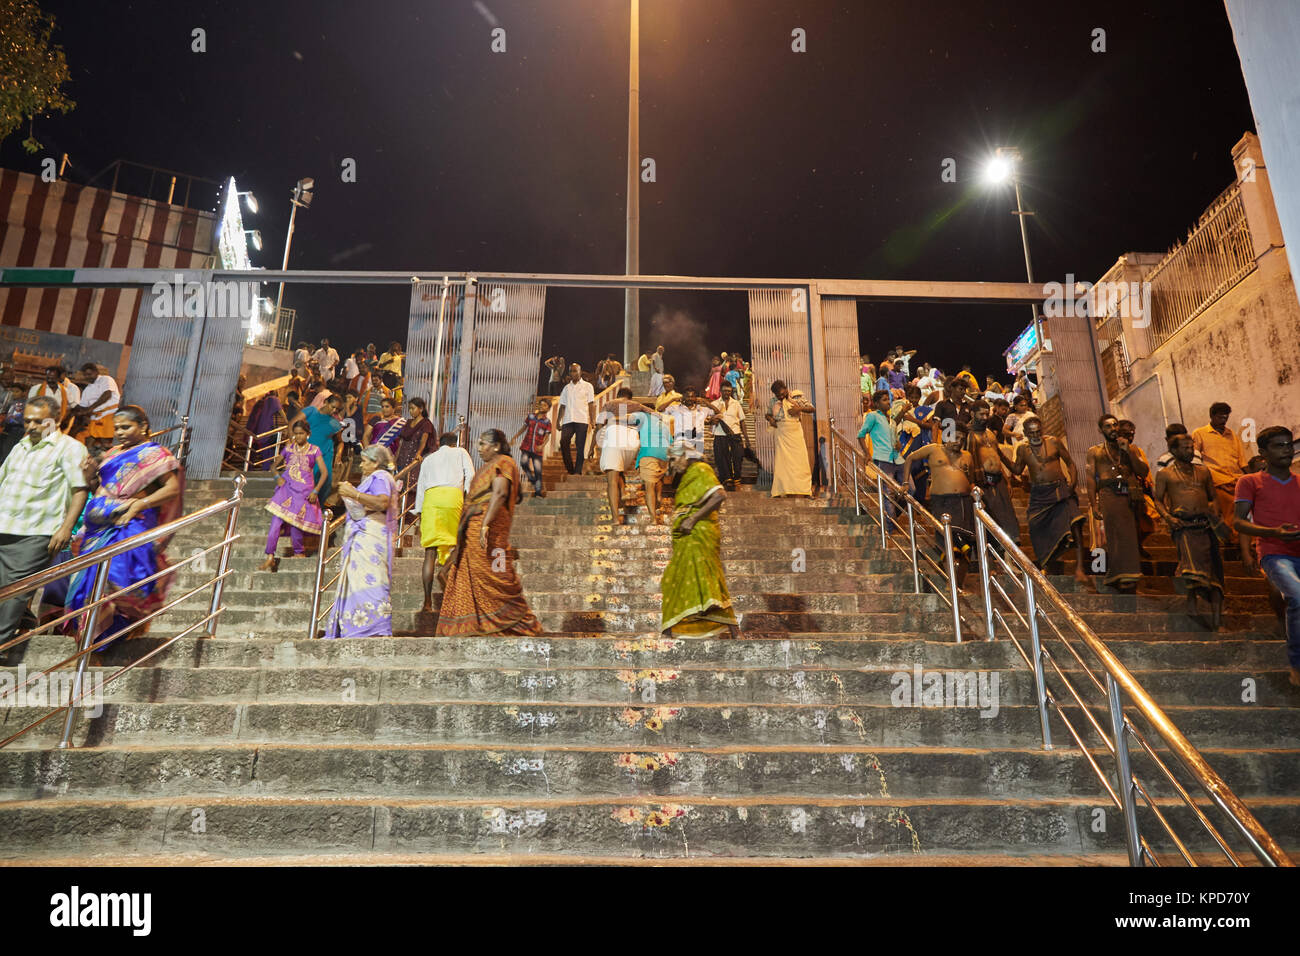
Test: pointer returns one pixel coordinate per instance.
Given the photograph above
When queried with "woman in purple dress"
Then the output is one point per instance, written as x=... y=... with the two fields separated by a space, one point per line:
x=296 y=501
x=362 y=604
x=415 y=435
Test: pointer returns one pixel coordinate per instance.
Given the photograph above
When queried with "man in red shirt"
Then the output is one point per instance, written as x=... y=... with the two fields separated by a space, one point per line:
x=1267 y=508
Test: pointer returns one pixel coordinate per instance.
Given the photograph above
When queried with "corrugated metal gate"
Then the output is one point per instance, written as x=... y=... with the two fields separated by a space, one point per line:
x=843 y=376
x=491 y=351
x=779 y=343
x=188 y=365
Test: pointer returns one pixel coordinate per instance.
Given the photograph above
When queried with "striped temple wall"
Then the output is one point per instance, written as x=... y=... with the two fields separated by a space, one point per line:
x=778 y=341
x=64 y=225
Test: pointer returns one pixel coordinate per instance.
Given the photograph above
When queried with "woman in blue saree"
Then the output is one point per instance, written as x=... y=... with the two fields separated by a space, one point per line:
x=363 y=605
x=136 y=487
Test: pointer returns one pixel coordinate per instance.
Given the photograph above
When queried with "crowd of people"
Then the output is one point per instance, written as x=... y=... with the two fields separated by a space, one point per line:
x=941 y=437
x=944 y=440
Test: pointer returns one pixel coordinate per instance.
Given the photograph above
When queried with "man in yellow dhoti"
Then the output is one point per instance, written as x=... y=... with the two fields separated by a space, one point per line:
x=791 y=470
x=445 y=477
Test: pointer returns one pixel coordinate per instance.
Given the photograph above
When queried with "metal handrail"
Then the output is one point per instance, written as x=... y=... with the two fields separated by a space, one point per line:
x=1116 y=682
x=324 y=554
x=181 y=451
x=101 y=560
x=281 y=433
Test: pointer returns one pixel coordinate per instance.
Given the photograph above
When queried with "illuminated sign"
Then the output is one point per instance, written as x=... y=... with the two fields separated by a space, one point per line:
x=1025 y=345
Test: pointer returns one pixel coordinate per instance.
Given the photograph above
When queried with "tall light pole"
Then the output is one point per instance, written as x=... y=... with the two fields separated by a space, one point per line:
x=632 y=297
x=1006 y=165
x=301 y=196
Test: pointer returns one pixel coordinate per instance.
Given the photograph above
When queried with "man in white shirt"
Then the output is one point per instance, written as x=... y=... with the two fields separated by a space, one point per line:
x=99 y=400
x=59 y=387
x=42 y=492
x=577 y=409
x=657 y=372
x=326 y=360
x=440 y=494
x=728 y=421
x=689 y=418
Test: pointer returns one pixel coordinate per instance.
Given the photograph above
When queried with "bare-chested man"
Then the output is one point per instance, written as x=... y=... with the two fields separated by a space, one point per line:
x=990 y=474
x=950 y=471
x=1115 y=476
x=1055 y=521
x=1183 y=494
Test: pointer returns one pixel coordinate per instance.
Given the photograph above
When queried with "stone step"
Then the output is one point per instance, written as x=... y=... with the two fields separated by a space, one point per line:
x=684 y=685
x=1234 y=656
x=445 y=771
x=702 y=724
x=755 y=826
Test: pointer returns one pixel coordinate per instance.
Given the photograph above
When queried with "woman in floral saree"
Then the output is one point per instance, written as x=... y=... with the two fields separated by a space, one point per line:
x=363 y=605
x=136 y=487
x=696 y=602
x=482 y=593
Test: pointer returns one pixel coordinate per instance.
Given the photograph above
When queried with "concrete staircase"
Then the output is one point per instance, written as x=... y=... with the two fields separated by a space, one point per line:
x=601 y=741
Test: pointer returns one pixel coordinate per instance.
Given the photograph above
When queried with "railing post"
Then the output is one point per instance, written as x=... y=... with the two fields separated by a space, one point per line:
x=952 y=576
x=219 y=583
x=248 y=455
x=92 y=620
x=1035 y=645
x=1125 y=771
x=911 y=539
x=880 y=499
x=279 y=437
x=183 y=451
x=326 y=518
x=857 y=507
x=835 y=483
x=982 y=549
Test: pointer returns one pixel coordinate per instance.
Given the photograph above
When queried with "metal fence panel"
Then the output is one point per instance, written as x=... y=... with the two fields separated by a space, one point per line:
x=422 y=348
x=188 y=365
x=778 y=340
x=507 y=351
x=843 y=362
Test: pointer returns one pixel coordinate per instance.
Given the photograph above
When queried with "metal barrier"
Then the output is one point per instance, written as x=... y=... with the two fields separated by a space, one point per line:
x=281 y=434
x=179 y=446
x=100 y=561
x=1112 y=682
x=324 y=554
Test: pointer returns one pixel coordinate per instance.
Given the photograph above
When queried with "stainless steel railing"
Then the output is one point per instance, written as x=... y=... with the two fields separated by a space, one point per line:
x=325 y=555
x=281 y=435
x=179 y=445
x=1057 y=693
x=88 y=643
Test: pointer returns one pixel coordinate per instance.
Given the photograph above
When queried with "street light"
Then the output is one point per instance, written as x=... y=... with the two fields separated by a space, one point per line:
x=301 y=195
x=1004 y=165
x=249 y=200
x=256 y=238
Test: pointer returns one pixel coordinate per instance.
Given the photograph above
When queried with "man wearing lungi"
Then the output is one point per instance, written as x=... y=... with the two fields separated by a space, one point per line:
x=950 y=470
x=1115 y=477
x=1055 y=522
x=989 y=473
x=1183 y=496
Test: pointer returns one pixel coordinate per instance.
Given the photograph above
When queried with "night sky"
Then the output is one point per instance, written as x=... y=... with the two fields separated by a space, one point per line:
x=769 y=163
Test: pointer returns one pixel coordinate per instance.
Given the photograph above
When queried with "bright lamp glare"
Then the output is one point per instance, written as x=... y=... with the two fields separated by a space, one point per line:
x=998 y=170
x=255 y=237
x=251 y=202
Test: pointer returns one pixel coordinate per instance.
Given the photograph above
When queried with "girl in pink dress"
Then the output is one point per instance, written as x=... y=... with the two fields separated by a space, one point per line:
x=295 y=502
x=714 y=390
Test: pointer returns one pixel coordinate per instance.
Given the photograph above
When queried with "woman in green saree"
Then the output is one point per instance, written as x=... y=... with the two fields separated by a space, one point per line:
x=695 y=598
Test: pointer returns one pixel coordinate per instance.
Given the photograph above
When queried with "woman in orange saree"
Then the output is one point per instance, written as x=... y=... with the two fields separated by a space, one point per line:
x=482 y=593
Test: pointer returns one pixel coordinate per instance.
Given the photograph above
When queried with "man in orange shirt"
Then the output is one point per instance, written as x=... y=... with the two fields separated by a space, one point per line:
x=1221 y=452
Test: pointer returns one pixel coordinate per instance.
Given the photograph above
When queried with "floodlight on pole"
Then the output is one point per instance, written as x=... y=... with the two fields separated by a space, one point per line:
x=249 y=200
x=1004 y=165
x=255 y=237
x=300 y=195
